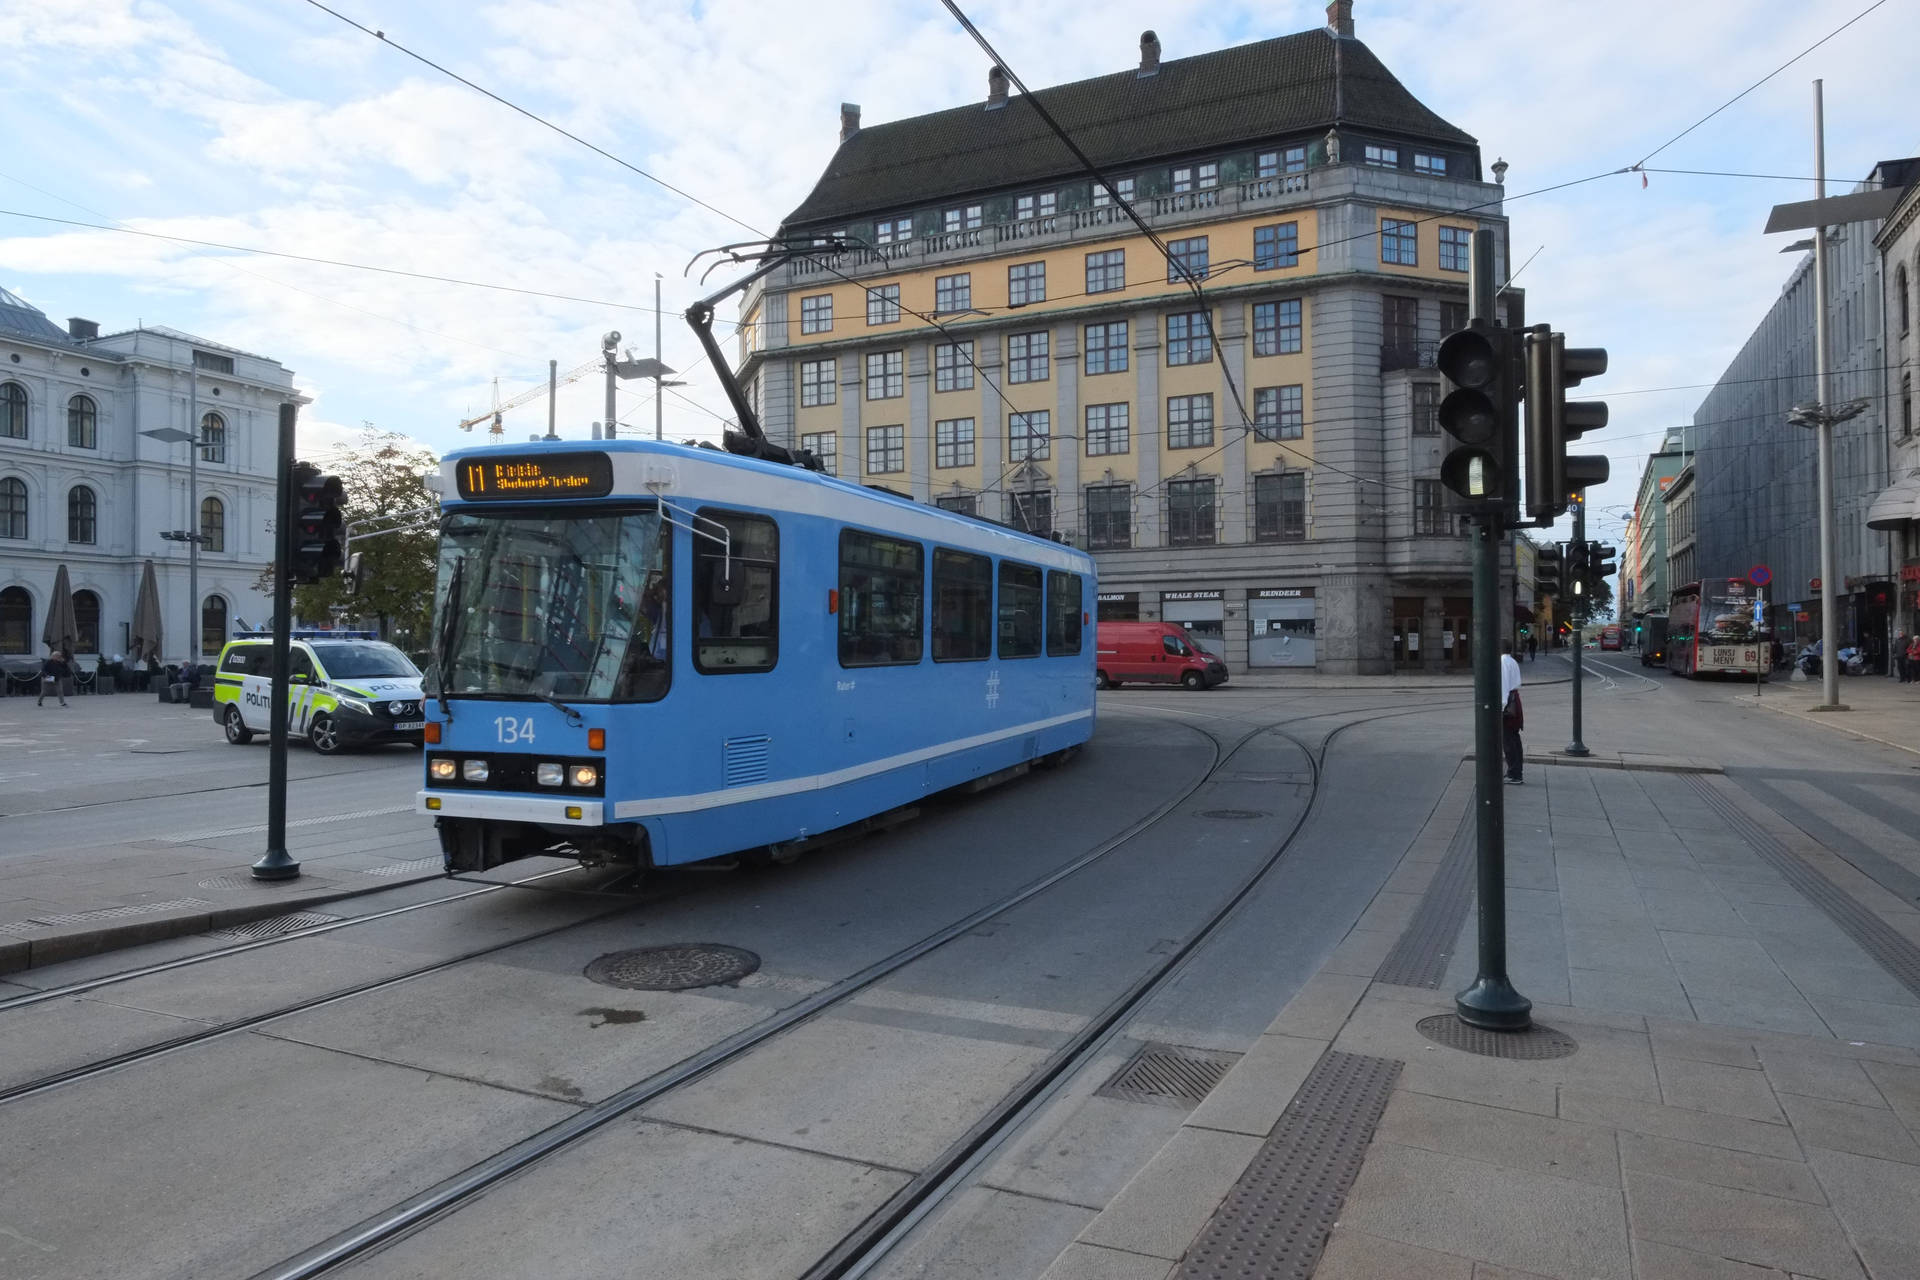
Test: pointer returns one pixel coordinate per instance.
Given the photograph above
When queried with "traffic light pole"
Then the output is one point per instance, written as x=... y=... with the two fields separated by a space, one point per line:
x=1491 y=1002
x=275 y=864
x=1577 y=559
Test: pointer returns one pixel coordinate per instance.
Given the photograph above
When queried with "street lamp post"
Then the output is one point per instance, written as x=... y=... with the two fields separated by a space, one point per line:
x=631 y=368
x=191 y=534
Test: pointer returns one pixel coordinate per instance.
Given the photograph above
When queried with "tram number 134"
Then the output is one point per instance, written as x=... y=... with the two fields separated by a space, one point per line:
x=510 y=730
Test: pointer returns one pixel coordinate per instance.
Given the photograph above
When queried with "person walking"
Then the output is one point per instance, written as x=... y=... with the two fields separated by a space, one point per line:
x=1512 y=719
x=56 y=674
x=1900 y=667
x=1913 y=658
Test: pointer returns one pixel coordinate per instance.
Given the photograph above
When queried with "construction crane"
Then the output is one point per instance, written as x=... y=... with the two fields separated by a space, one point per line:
x=530 y=394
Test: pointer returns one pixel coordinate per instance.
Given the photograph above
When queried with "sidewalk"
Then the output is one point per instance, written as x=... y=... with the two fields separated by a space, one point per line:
x=1739 y=1096
x=1879 y=709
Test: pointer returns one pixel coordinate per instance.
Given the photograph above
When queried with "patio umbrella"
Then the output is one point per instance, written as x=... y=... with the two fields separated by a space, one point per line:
x=146 y=617
x=63 y=628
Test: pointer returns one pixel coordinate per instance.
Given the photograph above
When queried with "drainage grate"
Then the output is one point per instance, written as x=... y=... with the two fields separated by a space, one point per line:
x=1232 y=814
x=1277 y=1218
x=680 y=967
x=227 y=882
x=274 y=926
x=1419 y=958
x=1536 y=1043
x=407 y=868
x=1887 y=947
x=1168 y=1074
x=105 y=913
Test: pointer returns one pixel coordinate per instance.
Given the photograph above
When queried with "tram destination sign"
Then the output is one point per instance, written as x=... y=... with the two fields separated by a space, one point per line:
x=512 y=476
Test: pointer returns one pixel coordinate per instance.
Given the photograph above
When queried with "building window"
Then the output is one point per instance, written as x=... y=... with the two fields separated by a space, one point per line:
x=1187 y=260
x=953 y=366
x=1107 y=271
x=967 y=219
x=1276 y=246
x=953 y=293
x=212 y=363
x=817 y=382
x=1107 y=429
x=1269 y=163
x=1383 y=157
x=1106 y=347
x=1066 y=613
x=82 y=508
x=1109 y=517
x=82 y=423
x=1182 y=180
x=1436 y=165
x=1279 y=413
x=884 y=379
x=213 y=524
x=1276 y=327
x=16 y=621
x=1453 y=317
x=1900 y=291
x=1189 y=421
x=1426 y=409
x=1456 y=248
x=13 y=508
x=1430 y=509
x=1906 y=405
x=13 y=411
x=1399 y=242
x=880 y=599
x=1030 y=512
x=1190 y=513
x=886 y=450
x=1026 y=282
x=1027 y=359
x=213 y=625
x=1027 y=436
x=824 y=445
x=1044 y=205
x=1209 y=176
x=962 y=605
x=883 y=304
x=86 y=622
x=1400 y=323
x=961 y=504
x=816 y=314
x=213 y=438
x=1189 y=340
x=953 y=442
x=1280 y=507
x=893 y=230
x=1102 y=197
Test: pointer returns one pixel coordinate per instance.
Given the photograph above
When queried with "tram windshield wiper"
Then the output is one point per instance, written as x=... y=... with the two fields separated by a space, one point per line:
x=574 y=720
x=449 y=624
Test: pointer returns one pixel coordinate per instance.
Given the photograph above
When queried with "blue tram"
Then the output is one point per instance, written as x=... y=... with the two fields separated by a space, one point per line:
x=655 y=654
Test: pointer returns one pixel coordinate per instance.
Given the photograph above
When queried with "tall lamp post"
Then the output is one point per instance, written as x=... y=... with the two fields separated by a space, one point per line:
x=631 y=368
x=191 y=535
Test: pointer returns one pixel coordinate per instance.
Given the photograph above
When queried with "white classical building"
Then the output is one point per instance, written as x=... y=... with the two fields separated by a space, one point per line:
x=82 y=486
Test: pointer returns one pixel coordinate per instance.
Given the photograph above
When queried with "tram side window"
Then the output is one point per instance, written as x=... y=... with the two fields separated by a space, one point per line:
x=962 y=606
x=1019 y=610
x=880 y=600
x=1063 y=613
x=736 y=593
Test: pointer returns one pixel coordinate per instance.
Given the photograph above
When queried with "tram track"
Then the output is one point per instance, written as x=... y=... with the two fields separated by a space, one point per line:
x=883 y=1229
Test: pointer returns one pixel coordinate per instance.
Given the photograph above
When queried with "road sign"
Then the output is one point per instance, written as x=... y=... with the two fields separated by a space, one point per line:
x=1813 y=584
x=1759 y=575
x=1759 y=613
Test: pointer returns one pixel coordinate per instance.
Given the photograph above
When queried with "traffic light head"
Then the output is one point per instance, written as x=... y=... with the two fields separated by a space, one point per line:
x=1549 y=571
x=319 y=527
x=1480 y=413
x=1553 y=420
x=1600 y=563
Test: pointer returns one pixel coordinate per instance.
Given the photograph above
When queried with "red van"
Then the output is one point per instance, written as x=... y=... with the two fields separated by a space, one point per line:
x=1154 y=653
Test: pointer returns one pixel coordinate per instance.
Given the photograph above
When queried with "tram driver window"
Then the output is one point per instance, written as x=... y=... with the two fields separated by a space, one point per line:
x=1019 y=610
x=736 y=593
x=1064 y=613
x=880 y=600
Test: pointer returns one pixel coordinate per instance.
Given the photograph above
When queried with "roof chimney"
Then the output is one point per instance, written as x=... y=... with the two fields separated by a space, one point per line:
x=996 y=88
x=1149 y=54
x=1340 y=17
x=849 y=120
x=82 y=330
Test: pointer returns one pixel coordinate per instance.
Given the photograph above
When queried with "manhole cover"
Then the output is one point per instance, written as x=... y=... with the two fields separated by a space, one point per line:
x=680 y=967
x=1534 y=1043
x=1168 y=1074
x=1233 y=814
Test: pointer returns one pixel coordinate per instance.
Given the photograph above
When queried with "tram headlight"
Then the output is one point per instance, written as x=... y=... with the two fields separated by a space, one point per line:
x=441 y=770
x=584 y=775
x=473 y=770
x=550 y=775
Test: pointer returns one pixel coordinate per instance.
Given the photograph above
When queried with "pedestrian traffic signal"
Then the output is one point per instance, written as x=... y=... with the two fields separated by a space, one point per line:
x=319 y=528
x=1482 y=413
x=1549 y=571
x=1553 y=421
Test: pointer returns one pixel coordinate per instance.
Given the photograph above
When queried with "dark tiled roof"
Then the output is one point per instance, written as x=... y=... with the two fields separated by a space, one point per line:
x=1247 y=94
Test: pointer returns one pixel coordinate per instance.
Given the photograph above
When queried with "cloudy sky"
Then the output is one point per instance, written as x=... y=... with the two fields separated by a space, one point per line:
x=269 y=123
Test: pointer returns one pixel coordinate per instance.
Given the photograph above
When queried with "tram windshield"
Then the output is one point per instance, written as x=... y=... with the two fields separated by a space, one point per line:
x=569 y=605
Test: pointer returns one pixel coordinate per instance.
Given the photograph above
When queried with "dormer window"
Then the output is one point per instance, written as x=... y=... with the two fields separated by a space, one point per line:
x=1102 y=198
x=893 y=230
x=1383 y=157
x=1044 y=205
x=1435 y=165
x=1209 y=176
x=1182 y=180
x=967 y=219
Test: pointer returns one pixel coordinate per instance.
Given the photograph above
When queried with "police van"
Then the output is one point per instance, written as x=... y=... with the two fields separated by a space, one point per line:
x=348 y=690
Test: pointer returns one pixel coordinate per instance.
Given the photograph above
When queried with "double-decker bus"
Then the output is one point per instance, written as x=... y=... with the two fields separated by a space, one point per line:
x=1710 y=629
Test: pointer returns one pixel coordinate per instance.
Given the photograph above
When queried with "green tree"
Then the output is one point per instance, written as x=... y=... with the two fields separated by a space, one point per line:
x=384 y=475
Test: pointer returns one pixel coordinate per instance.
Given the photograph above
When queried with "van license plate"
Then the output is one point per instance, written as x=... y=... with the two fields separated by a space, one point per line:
x=404 y=725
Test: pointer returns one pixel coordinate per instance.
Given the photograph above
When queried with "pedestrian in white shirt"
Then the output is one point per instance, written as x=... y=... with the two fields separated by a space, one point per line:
x=1512 y=720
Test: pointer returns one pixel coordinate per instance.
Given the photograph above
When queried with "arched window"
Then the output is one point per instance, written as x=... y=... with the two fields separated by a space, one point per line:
x=13 y=411
x=82 y=508
x=213 y=525
x=213 y=438
x=16 y=621
x=213 y=624
x=86 y=617
x=82 y=423
x=13 y=508
x=1900 y=289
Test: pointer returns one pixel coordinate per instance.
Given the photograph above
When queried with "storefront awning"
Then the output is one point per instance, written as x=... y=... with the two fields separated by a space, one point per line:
x=1522 y=614
x=1897 y=505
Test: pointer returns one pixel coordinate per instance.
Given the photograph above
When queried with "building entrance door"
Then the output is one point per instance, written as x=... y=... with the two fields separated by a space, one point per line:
x=1456 y=633
x=1407 y=614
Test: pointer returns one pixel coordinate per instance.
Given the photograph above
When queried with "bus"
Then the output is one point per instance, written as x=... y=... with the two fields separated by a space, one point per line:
x=1710 y=630
x=1610 y=636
